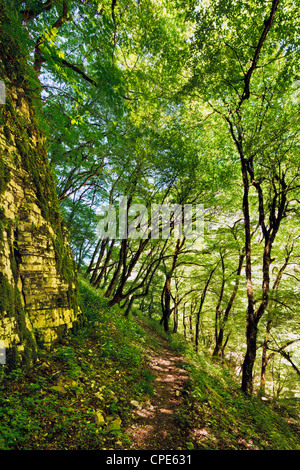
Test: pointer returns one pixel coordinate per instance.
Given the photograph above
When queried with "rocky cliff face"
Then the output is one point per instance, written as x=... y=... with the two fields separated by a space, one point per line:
x=38 y=287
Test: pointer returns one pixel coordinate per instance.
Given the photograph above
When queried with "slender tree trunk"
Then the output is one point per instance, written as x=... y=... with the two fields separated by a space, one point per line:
x=144 y=284
x=265 y=359
x=203 y=295
x=90 y=267
x=96 y=268
x=104 y=267
x=166 y=294
x=175 y=327
x=167 y=302
x=191 y=327
x=126 y=314
x=114 y=279
x=183 y=321
x=125 y=270
x=247 y=170
x=219 y=312
x=275 y=218
x=219 y=348
x=253 y=319
x=249 y=360
x=106 y=273
x=251 y=331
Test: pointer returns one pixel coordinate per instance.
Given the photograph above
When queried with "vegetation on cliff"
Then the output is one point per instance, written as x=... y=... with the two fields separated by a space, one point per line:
x=85 y=394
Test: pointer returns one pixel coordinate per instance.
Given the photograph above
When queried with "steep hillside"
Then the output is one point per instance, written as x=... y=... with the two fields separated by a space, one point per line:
x=122 y=384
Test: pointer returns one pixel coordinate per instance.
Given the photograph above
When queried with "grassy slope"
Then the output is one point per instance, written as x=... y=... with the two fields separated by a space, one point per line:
x=224 y=418
x=102 y=368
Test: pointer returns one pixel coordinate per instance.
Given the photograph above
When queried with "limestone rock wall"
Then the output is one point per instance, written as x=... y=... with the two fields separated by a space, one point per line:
x=38 y=280
x=38 y=288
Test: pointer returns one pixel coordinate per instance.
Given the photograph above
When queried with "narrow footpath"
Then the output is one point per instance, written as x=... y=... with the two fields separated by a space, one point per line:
x=156 y=423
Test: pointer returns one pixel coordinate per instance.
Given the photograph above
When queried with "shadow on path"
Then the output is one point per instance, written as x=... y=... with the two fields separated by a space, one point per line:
x=155 y=426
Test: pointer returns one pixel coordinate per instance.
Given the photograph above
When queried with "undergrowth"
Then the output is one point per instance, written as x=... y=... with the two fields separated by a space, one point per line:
x=222 y=417
x=99 y=370
x=103 y=367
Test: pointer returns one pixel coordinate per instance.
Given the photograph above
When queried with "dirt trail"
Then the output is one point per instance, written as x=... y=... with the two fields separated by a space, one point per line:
x=155 y=426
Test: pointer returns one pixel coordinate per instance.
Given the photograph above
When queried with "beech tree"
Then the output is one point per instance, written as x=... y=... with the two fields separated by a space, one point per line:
x=249 y=85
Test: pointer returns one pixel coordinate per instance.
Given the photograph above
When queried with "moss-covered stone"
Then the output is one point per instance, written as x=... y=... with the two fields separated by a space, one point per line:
x=4 y=175
x=38 y=279
x=2 y=225
x=34 y=161
x=11 y=306
x=7 y=297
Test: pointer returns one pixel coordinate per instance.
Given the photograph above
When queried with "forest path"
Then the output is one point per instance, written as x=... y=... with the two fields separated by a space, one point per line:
x=156 y=426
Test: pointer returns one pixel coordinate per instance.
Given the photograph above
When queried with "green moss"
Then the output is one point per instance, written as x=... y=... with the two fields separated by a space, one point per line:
x=73 y=301
x=64 y=263
x=14 y=260
x=17 y=73
x=7 y=133
x=4 y=175
x=14 y=52
x=34 y=160
x=11 y=305
x=7 y=297
x=31 y=155
x=2 y=225
x=66 y=267
x=27 y=339
x=12 y=358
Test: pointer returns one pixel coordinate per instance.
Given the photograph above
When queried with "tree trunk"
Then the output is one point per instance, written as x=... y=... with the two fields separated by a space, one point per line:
x=90 y=267
x=191 y=327
x=96 y=268
x=175 y=327
x=203 y=295
x=264 y=358
x=219 y=337
x=104 y=267
x=219 y=349
x=166 y=294
x=123 y=252
x=183 y=322
x=126 y=314
x=249 y=360
x=251 y=331
x=167 y=302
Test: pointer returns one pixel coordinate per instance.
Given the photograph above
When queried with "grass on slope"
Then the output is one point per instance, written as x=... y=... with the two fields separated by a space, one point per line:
x=221 y=417
x=78 y=395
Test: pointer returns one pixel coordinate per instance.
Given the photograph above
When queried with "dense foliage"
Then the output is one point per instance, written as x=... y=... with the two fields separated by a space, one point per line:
x=170 y=102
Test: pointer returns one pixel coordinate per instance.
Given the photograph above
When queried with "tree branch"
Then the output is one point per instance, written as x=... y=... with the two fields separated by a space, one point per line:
x=79 y=71
x=31 y=13
x=268 y=24
x=38 y=58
